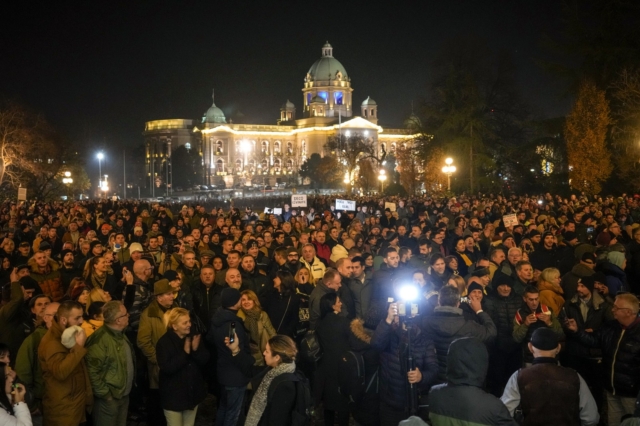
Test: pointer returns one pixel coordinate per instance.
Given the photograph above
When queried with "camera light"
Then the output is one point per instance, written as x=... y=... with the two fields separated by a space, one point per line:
x=408 y=293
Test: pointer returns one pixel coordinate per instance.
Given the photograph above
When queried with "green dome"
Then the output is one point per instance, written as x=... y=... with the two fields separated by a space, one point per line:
x=369 y=102
x=327 y=65
x=214 y=114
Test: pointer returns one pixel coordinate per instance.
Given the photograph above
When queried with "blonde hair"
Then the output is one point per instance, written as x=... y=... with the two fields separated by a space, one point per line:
x=549 y=275
x=312 y=279
x=461 y=284
x=285 y=347
x=254 y=298
x=172 y=316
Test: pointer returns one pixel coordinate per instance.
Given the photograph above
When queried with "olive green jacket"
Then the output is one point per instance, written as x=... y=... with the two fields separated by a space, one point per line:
x=107 y=362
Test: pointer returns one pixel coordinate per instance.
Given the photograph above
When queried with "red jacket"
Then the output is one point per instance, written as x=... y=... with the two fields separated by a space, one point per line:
x=323 y=251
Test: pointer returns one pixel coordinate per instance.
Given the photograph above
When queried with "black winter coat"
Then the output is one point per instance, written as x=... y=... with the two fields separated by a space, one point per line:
x=365 y=412
x=390 y=341
x=333 y=335
x=447 y=324
x=256 y=282
x=383 y=284
x=182 y=386
x=502 y=310
x=206 y=302
x=230 y=371
x=279 y=408
x=621 y=356
x=283 y=311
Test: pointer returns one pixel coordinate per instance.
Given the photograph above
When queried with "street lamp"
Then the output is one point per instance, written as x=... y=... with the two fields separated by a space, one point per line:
x=100 y=156
x=382 y=177
x=448 y=170
x=105 y=186
x=67 y=180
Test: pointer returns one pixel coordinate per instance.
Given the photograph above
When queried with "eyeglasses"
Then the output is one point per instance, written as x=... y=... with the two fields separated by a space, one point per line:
x=615 y=308
x=121 y=316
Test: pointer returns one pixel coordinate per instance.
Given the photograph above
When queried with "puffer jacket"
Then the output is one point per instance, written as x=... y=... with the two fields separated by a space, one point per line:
x=502 y=310
x=621 y=356
x=461 y=401
x=255 y=281
x=569 y=282
x=107 y=362
x=447 y=324
x=50 y=281
x=390 y=341
x=616 y=278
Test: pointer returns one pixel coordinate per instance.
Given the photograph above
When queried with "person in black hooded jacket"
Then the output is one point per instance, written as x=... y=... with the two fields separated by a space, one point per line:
x=506 y=355
x=390 y=339
x=461 y=400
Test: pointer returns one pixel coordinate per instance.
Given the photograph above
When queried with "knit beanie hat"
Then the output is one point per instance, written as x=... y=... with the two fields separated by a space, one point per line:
x=544 y=339
x=474 y=286
x=229 y=297
x=604 y=239
x=588 y=282
x=616 y=258
x=500 y=278
x=29 y=283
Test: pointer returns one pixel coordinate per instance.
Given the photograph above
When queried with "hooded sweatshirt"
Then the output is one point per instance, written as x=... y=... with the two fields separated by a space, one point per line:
x=461 y=401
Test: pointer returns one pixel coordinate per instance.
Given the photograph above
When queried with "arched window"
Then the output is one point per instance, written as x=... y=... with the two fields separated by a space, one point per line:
x=393 y=147
x=238 y=165
x=303 y=148
x=219 y=149
x=265 y=165
x=289 y=165
x=265 y=147
x=252 y=165
x=220 y=165
x=289 y=148
x=277 y=165
x=276 y=147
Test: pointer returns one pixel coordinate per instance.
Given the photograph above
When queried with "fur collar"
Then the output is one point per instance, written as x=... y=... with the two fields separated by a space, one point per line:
x=357 y=328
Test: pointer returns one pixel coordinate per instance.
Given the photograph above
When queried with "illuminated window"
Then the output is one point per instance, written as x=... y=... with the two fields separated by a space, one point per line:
x=393 y=147
x=276 y=147
x=265 y=147
x=265 y=165
x=303 y=146
x=187 y=146
x=289 y=165
x=238 y=165
x=219 y=150
x=324 y=96
x=289 y=148
x=338 y=98
x=220 y=165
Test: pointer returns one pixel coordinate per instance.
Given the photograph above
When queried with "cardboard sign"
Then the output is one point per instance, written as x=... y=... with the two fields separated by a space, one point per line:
x=347 y=205
x=299 y=200
x=510 y=220
x=390 y=206
x=22 y=194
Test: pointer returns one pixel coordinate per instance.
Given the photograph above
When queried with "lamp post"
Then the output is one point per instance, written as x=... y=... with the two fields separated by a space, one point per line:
x=382 y=177
x=67 y=180
x=100 y=156
x=449 y=170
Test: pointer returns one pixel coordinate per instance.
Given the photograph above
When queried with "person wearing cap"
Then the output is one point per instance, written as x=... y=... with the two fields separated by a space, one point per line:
x=462 y=400
x=584 y=268
x=110 y=363
x=531 y=316
x=72 y=235
x=182 y=297
x=206 y=256
x=233 y=368
x=548 y=393
x=23 y=253
x=68 y=270
x=591 y=312
x=619 y=342
x=150 y=330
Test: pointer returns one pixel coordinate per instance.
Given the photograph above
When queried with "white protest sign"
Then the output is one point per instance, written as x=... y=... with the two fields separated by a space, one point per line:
x=390 y=206
x=347 y=205
x=299 y=201
x=277 y=210
x=22 y=194
x=510 y=220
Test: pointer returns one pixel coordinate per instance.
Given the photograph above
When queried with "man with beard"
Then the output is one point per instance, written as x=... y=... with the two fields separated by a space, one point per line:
x=233 y=261
x=251 y=277
x=28 y=367
x=384 y=278
x=67 y=392
x=45 y=272
x=546 y=254
x=68 y=270
x=293 y=264
x=261 y=261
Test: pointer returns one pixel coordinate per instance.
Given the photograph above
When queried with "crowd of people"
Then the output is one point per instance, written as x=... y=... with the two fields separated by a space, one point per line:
x=467 y=310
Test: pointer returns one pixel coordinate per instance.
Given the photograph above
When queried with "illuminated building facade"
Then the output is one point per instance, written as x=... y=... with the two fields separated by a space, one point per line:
x=242 y=153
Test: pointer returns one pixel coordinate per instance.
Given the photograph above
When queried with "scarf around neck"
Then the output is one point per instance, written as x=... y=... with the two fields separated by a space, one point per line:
x=259 y=402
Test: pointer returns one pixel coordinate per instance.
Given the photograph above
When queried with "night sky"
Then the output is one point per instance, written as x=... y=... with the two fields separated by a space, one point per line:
x=98 y=71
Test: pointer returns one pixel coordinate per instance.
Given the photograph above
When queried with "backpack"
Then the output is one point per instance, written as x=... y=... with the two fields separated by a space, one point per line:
x=303 y=410
x=310 y=347
x=352 y=381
